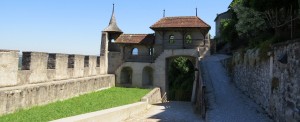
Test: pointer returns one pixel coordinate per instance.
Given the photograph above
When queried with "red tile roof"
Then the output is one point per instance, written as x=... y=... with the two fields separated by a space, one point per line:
x=135 y=39
x=180 y=22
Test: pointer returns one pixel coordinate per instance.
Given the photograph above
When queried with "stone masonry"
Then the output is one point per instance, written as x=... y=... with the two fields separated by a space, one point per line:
x=43 y=78
x=273 y=82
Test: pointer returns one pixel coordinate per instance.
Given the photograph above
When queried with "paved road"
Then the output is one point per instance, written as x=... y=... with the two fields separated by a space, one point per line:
x=168 y=112
x=226 y=102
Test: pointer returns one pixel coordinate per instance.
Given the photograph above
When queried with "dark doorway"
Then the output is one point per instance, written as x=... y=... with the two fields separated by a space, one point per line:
x=126 y=76
x=147 y=76
x=181 y=75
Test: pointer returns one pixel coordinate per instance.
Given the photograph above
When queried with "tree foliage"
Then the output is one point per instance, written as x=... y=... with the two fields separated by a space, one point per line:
x=180 y=77
x=228 y=31
x=250 y=22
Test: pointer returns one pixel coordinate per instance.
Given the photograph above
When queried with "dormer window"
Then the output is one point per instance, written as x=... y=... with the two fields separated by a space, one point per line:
x=188 y=39
x=171 y=39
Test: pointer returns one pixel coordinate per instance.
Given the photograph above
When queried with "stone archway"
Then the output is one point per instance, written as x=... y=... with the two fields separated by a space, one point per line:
x=180 y=75
x=126 y=76
x=147 y=76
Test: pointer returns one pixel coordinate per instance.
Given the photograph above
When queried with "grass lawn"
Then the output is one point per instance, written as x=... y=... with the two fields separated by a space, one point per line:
x=82 y=104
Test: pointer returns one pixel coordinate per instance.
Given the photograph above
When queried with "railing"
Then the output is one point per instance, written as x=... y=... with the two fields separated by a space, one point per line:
x=183 y=44
x=200 y=103
x=139 y=58
x=143 y=58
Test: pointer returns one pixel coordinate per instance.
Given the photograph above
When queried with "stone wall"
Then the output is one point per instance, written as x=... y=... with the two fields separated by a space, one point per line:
x=25 y=96
x=38 y=67
x=43 y=78
x=273 y=81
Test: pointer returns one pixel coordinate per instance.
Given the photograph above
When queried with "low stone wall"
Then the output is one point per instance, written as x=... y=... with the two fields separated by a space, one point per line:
x=25 y=96
x=272 y=81
x=153 y=97
x=117 y=114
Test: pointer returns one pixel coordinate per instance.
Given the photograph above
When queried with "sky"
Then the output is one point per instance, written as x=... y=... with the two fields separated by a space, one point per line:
x=74 y=26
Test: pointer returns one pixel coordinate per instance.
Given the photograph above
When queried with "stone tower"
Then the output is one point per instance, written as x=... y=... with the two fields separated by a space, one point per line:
x=109 y=34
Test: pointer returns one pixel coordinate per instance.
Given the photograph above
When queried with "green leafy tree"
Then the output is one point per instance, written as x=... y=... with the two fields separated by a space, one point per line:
x=228 y=32
x=180 y=77
x=250 y=22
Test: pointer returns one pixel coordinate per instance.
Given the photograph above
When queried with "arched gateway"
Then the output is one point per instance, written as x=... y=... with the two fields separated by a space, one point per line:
x=185 y=36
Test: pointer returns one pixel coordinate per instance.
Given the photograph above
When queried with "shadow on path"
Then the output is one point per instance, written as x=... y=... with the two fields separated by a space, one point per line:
x=173 y=111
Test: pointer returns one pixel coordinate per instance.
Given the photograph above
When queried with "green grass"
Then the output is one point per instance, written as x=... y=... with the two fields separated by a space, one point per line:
x=82 y=104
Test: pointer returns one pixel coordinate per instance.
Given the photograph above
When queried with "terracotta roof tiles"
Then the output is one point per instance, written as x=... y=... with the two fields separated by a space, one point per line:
x=179 y=22
x=135 y=39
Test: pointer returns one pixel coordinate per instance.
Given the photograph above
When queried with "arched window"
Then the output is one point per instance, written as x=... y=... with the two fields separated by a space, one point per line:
x=112 y=40
x=188 y=39
x=135 y=51
x=171 y=39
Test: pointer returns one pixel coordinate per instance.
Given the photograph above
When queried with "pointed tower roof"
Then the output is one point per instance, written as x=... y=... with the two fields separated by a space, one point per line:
x=113 y=27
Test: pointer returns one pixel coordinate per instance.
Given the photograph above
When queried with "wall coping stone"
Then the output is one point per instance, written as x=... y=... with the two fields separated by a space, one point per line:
x=50 y=83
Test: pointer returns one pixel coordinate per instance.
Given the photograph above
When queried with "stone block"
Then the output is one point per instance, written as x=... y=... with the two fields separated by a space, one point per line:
x=8 y=67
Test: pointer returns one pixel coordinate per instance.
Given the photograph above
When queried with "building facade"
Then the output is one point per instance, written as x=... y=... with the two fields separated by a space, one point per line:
x=141 y=60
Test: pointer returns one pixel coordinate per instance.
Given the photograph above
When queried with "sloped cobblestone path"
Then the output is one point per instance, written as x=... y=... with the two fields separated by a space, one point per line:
x=225 y=102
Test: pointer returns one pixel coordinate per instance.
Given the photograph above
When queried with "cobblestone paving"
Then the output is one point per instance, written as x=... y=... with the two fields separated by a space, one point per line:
x=226 y=102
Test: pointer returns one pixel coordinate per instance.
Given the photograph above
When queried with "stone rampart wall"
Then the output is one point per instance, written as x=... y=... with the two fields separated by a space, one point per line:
x=37 y=67
x=273 y=81
x=40 y=78
x=25 y=96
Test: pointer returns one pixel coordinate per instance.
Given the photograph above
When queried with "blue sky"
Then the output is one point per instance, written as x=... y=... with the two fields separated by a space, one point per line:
x=74 y=26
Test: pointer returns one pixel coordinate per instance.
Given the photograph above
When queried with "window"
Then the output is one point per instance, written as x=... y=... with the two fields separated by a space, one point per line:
x=188 y=39
x=135 y=51
x=112 y=40
x=171 y=39
x=151 y=51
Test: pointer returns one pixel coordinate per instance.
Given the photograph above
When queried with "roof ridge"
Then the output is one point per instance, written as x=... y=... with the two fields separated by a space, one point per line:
x=181 y=22
x=181 y=17
x=138 y=34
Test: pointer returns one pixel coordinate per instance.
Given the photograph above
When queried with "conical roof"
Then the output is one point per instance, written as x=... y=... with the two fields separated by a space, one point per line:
x=113 y=27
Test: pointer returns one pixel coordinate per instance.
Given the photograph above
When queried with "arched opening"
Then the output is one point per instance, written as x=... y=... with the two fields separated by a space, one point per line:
x=126 y=76
x=188 y=39
x=171 y=39
x=180 y=78
x=135 y=51
x=147 y=76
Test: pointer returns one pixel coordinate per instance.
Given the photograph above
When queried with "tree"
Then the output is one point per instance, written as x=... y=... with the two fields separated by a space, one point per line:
x=228 y=30
x=180 y=77
x=250 y=22
x=277 y=13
